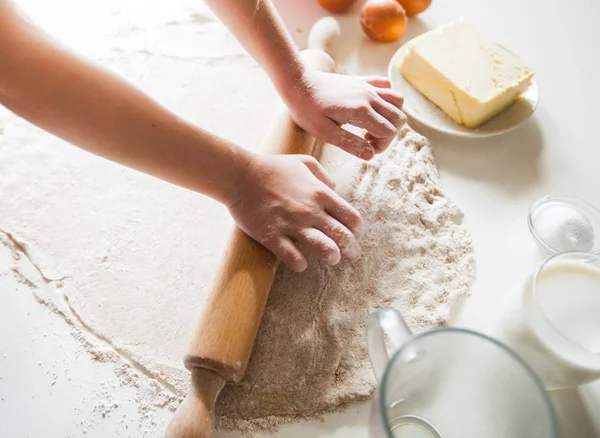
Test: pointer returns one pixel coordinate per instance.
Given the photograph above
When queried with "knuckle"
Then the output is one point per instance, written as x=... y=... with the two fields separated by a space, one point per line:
x=267 y=239
x=307 y=211
x=391 y=127
x=394 y=111
x=342 y=236
x=320 y=194
x=293 y=259
x=362 y=109
x=334 y=230
x=329 y=252
x=290 y=255
x=295 y=262
x=319 y=245
x=373 y=96
x=323 y=110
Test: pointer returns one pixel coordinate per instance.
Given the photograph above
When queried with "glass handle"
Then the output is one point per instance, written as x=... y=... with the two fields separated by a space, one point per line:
x=385 y=323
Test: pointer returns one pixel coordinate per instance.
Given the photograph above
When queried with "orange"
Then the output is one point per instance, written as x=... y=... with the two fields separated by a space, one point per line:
x=337 y=6
x=413 y=7
x=383 y=20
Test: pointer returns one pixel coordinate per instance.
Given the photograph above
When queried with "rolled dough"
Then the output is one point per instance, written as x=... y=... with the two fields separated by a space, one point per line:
x=127 y=259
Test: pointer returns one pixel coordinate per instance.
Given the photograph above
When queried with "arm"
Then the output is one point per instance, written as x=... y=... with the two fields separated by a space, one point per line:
x=100 y=112
x=272 y=198
x=319 y=102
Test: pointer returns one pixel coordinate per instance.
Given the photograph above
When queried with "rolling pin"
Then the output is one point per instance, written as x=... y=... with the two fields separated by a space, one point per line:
x=229 y=320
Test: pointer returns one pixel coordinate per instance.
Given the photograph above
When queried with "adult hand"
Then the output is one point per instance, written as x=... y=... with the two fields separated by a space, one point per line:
x=322 y=102
x=287 y=203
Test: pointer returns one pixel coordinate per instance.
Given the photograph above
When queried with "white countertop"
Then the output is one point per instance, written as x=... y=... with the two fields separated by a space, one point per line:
x=495 y=181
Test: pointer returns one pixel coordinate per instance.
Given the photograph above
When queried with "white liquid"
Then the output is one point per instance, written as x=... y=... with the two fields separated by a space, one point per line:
x=569 y=295
x=556 y=328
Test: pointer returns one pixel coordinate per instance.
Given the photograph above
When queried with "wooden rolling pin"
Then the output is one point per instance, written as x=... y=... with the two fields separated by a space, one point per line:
x=229 y=320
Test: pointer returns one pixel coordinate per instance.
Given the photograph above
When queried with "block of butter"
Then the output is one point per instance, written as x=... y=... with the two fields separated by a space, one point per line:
x=468 y=76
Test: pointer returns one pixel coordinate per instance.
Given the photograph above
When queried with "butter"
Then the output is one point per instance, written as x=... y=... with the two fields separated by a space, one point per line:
x=468 y=76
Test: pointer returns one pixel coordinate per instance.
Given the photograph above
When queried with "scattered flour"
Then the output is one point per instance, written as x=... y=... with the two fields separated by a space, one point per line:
x=150 y=394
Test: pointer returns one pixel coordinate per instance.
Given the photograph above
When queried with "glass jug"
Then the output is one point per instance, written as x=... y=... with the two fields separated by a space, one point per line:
x=451 y=383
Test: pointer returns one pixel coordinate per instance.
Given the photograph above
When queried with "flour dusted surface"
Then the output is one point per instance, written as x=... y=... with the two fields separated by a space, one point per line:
x=310 y=354
x=127 y=259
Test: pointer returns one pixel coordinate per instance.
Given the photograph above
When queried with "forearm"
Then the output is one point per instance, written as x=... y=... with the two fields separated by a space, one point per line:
x=256 y=24
x=100 y=112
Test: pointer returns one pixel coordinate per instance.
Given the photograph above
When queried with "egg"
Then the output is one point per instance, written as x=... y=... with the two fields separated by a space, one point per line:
x=413 y=7
x=337 y=6
x=383 y=20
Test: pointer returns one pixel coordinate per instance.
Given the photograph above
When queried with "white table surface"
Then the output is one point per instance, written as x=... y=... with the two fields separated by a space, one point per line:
x=494 y=180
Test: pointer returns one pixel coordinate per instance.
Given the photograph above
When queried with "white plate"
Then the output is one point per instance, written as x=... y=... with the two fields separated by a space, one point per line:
x=426 y=112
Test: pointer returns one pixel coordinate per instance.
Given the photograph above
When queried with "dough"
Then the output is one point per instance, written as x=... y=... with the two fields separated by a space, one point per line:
x=127 y=259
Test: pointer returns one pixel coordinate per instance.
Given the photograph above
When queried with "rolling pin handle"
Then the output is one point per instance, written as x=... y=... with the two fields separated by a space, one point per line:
x=194 y=417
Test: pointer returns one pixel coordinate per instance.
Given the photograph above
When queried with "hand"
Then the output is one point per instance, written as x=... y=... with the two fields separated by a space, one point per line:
x=287 y=203
x=322 y=102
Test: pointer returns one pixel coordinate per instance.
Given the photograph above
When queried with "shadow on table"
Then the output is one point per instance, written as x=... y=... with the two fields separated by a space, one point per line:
x=510 y=161
x=575 y=416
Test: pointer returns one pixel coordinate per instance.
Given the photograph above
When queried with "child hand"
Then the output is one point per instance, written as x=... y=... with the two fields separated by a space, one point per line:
x=287 y=201
x=322 y=102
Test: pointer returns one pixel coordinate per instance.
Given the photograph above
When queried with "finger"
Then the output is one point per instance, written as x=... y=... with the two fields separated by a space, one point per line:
x=372 y=141
x=320 y=245
x=319 y=171
x=391 y=96
x=391 y=113
x=334 y=134
x=287 y=252
x=342 y=236
x=343 y=212
x=381 y=144
x=369 y=119
x=378 y=81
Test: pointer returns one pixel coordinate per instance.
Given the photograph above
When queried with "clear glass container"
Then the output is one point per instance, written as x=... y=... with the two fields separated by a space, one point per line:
x=561 y=223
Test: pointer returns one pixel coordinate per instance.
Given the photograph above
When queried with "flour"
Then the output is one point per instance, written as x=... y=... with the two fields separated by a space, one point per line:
x=150 y=395
x=127 y=260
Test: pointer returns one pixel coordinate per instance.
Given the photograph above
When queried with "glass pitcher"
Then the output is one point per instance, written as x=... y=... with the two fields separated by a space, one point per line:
x=451 y=383
x=552 y=320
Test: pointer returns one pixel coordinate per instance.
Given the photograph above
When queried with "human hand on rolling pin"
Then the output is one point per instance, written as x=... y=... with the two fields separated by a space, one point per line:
x=319 y=102
x=287 y=202
x=322 y=102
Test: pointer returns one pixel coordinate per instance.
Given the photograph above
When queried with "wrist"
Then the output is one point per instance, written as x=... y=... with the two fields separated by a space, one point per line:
x=291 y=81
x=240 y=172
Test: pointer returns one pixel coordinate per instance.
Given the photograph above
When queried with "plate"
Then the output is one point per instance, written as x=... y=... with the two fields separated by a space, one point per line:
x=424 y=111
